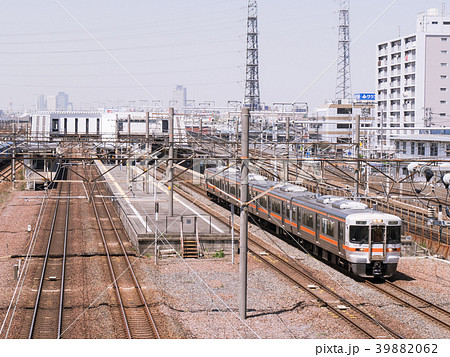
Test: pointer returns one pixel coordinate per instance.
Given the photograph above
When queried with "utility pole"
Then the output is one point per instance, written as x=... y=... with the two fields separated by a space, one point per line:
x=147 y=149
x=170 y=166
x=286 y=162
x=130 y=178
x=252 y=95
x=13 y=161
x=244 y=214
x=358 y=169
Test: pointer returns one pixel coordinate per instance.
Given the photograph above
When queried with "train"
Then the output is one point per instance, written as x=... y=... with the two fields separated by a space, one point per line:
x=339 y=230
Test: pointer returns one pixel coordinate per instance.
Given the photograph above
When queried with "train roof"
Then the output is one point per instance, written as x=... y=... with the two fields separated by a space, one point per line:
x=340 y=207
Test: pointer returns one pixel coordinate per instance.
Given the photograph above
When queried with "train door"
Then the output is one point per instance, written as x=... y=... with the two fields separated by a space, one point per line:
x=283 y=213
x=317 y=227
x=377 y=242
x=341 y=227
x=299 y=221
x=293 y=216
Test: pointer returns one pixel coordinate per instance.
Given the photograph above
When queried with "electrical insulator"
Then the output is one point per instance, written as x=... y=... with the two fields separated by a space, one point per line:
x=431 y=212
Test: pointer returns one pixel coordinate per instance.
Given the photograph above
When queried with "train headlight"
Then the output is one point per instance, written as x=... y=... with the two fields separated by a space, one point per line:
x=377 y=221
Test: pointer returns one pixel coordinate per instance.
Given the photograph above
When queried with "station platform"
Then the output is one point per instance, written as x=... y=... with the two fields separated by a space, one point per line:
x=144 y=212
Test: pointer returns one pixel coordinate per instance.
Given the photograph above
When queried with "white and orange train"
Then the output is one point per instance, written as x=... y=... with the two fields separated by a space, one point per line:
x=341 y=231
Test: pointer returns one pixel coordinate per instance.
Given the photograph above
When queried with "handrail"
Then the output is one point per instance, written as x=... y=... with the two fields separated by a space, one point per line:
x=197 y=238
x=182 y=238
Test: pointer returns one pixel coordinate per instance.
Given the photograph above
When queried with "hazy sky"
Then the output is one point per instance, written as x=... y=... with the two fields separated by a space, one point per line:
x=199 y=44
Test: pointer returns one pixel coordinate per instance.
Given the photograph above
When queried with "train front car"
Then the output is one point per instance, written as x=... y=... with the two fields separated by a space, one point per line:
x=373 y=243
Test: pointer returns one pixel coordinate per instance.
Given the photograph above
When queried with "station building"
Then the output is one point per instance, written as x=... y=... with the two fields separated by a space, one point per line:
x=106 y=125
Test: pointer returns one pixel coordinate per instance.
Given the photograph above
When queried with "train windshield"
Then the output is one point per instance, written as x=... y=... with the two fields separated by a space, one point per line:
x=378 y=234
x=359 y=234
x=394 y=234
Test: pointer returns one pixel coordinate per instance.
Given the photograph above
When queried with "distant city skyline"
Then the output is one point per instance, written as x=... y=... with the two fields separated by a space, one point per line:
x=199 y=44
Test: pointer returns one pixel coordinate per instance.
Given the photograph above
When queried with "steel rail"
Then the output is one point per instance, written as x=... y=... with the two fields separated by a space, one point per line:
x=111 y=270
x=387 y=329
x=316 y=282
x=130 y=268
x=44 y=268
x=403 y=301
x=63 y=273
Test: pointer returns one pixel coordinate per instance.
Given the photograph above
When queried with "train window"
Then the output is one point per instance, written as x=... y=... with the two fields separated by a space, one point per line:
x=55 y=125
x=308 y=219
x=276 y=207
x=327 y=227
x=294 y=214
x=378 y=234
x=394 y=234
x=263 y=201
x=233 y=190
x=288 y=213
x=359 y=234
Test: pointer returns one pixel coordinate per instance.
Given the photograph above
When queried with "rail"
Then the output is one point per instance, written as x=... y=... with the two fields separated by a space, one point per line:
x=420 y=302
x=129 y=314
x=253 y=239
x=38 y=311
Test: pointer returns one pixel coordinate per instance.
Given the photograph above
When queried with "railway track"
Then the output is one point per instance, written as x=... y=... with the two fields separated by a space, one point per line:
x=414 y=302
x=410 y=300
x=47 y=320
x=357 y=318
x=137 y=319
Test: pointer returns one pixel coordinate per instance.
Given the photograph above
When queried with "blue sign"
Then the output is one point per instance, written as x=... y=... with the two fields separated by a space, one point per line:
x=365 y=96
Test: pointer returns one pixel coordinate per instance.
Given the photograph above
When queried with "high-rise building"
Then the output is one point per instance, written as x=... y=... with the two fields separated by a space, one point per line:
x=62 y=101
x=413 y=79
x=52 y=103
x=41 y=104
x=179 y=96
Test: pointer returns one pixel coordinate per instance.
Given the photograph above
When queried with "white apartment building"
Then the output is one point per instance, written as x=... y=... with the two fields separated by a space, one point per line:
x=413 y=79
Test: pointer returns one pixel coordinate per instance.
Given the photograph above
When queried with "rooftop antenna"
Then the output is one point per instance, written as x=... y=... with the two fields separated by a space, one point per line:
x=344 y=86
x=252 y=99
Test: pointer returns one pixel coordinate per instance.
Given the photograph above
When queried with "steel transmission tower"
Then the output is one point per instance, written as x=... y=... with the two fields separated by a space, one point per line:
x=344 y=85
x=252 y=99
